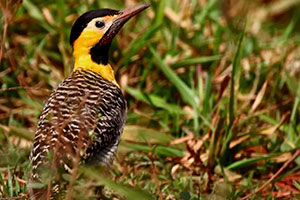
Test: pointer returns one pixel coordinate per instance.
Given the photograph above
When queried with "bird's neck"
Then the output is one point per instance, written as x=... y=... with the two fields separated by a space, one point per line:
x=95 y=60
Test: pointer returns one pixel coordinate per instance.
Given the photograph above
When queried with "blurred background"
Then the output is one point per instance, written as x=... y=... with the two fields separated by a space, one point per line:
x=213 y=90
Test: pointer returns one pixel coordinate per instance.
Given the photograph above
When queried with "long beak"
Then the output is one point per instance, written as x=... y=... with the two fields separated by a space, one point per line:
x=120 y=20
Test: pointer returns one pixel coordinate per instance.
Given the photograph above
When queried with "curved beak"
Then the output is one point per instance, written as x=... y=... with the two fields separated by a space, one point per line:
x=120 y=20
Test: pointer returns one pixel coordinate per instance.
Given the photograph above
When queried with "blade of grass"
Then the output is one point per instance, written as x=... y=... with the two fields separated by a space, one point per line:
x=168 y=151
x=17 y=186
x=296 y=184
x=235 y=65
x=9 y=184
x=293 y=135
x=244 y=163
x=144 y=135
x=159 y=13
x=205 y=11
x=208 y=82
x=289 y=29
x=5 y=190
x=157 y=149
x=155 y=101
x=193 y=61
x=19 y=132
x=229 y=132
x=34 y=11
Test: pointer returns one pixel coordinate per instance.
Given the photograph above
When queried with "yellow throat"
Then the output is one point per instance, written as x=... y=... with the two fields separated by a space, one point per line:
x=83 y=60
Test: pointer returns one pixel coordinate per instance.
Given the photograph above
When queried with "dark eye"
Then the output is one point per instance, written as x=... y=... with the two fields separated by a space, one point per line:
x=99 y=24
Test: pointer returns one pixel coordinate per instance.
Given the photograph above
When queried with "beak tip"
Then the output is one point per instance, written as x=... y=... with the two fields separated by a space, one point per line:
x=146 y=5
x=134 y=9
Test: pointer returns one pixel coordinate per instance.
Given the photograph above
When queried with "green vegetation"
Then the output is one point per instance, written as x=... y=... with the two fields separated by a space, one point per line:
x=213 y=91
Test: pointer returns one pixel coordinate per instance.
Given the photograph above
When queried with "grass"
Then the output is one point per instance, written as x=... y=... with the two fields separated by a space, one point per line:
x=213 y=93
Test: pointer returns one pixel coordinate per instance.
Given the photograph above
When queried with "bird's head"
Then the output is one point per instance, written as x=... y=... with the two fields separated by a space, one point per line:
x=92 y=33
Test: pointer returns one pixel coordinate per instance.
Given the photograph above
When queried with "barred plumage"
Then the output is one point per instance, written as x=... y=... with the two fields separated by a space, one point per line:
x=86 y=103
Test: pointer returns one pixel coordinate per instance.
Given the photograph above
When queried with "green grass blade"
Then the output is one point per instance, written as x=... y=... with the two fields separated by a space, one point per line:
x=193 y=61
x=19 y=132
x=290 y=28
x=208 y=83
x=155 y=101
x=295 y=107
x=247 y=162
x=157 y=149
x=159 y=13
x=296 y=184
x=141 y=134
x=292 y=126
x=205 y=11
x=229 y=132
x=17 y=186
x=168 y=151
x=10 y=184
x=34 y=11
x=4 y=188
x=235 y=64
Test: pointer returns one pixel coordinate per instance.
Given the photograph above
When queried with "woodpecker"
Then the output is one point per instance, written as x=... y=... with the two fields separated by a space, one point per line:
x=83 y=119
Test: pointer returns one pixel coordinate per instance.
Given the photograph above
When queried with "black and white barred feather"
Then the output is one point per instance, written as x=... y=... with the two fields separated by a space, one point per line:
x=83 y=117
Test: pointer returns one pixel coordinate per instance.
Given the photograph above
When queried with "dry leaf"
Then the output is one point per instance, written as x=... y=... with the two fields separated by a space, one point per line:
x=181 y=140
x=238 y=141
x=259 y=97
x=282 y=158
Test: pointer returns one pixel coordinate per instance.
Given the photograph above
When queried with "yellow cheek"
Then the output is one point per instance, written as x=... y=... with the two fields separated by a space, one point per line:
x=88 y=38
x=85 y=41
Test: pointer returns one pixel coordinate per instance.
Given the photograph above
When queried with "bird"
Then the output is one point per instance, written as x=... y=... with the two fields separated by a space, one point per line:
x=83 y=119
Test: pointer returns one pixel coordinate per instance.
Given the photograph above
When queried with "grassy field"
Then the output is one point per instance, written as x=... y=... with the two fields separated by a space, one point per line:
x=213 y=91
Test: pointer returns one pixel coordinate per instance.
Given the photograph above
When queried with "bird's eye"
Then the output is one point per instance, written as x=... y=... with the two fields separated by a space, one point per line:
x=99 y=24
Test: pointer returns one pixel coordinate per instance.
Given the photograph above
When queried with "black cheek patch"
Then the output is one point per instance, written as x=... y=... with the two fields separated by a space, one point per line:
x=99 y=53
